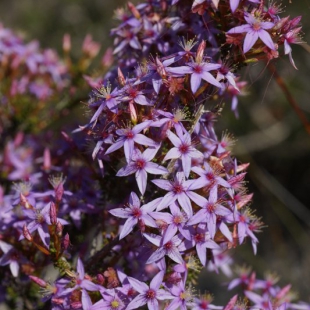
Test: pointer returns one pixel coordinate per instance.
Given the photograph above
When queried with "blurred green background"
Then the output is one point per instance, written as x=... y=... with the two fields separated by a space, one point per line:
x=269 y=134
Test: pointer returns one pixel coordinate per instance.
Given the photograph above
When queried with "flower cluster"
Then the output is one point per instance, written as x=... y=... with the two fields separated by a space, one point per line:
x=168 y=198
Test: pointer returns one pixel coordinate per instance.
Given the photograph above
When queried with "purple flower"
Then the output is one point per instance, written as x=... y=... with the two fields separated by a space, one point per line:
x=255 y=29
x=183 y=149
x=82 y=283
x=128 y=136
x=169 y=248
x=134 y=213
x=208 y=214
x=179 y=189
x=234 y=4
x=110 y=301
x=182 y=297
x=176 y=221
x=198 y=71
x=148 y=294
x=141 y=165
x=40 y=221
x=10 y=257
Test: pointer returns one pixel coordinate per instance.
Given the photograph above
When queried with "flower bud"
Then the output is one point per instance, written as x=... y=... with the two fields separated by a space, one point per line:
x=26 y=233
x=134 y=10
x=38 y=281
x=24 y=202
x=133 y=112
x=200 y=51
x=53 y=213
x=66 y=43
x=121 y=78
x=59 y=229
x=66 y=241
x=107 y=58
x=47 y=163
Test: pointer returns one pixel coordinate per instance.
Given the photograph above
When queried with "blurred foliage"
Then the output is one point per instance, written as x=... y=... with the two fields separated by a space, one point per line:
x=269 y=134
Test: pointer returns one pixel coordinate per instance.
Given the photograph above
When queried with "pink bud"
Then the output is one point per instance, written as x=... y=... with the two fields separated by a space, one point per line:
x=24 y=202
x=59 y=229
x=38 y=281
x=53 y=213
x=59 y=191
x=47 y=163
x=90 y=48
x=134 y=10
x=107 y=58
x=66 y=43
x=200 y=51
x=133 y=112
x=121 y=78
x=66 y=241
x=231 y=303
x=26 y=233
x=100 y=278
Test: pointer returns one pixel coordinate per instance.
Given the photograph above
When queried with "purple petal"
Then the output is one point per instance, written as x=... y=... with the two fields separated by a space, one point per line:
x=121 y=212
x=173 y=138
x=157 y=281
x=199 y=217
x=86 y=301
x=155 y=168
x=266 y=38
x=225 y=231
x=240 y=29
x=138 y=128
x=210 y=79
x=250 y=39
x=173 y=153
x=117 y=144
x=168 y=199
x=152 y=304
x=90 y=286
x=155 y=239
x=149 y=207
x=128 y=149
x=185 y=204
x=148 y=221
x=199 y=200
x=175 y=255
x=234 y=4
x=156 y=256
x=140 y=99
x=164 y=184
x=128 y=227
x=150 y=153
x=127 y=170
x=162 y=216
x=186 y=164
x=14 y=268
x=139 y=286
x=137 y=302
x=162 y=295
x=202 y=254
x=169 y=233
x=267 y=25
x=143 y=140
x=195 y=82
x=80 y=269
x=141 y=178
x=134 y=199
x=176 y=303
x=180 y=70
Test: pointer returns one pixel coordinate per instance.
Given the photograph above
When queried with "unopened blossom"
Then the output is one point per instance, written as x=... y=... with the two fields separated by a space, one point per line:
x=141 y=164
x=134 y=213
x=148 y=294
x=182 y=149
x=254 y=29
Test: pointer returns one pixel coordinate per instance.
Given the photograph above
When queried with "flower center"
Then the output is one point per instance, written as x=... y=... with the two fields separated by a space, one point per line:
x=210 y=207
x=168 y=246
x=178 y=219
x=140 y=164
x=210 y=176
x=150 y=294
x=114 y=304
x=197 y=69
x=199 y=238
x=178 y=188
x=183 y=148
x=256 y=26
x=130 y=134
x=40 y=218
x=136 y=212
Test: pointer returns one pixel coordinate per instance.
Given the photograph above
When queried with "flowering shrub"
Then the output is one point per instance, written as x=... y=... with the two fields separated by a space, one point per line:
x=153 y=114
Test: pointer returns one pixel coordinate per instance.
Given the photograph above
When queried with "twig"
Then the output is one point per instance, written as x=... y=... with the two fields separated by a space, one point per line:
x=289 y=97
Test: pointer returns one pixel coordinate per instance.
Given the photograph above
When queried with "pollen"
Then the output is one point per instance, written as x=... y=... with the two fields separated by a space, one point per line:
x=150 y=294
x=114 y=304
